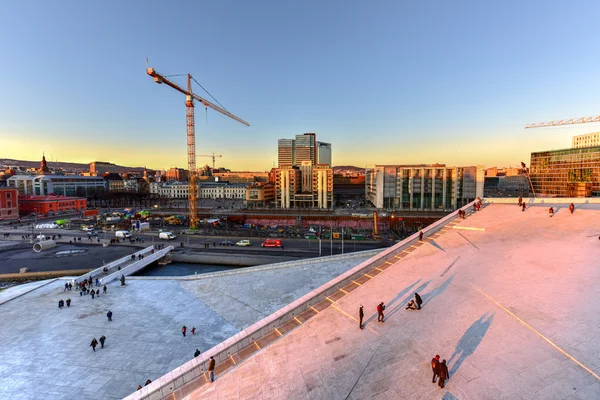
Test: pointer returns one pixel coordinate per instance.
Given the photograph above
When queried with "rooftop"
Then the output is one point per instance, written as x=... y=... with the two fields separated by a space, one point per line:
x=510 y=300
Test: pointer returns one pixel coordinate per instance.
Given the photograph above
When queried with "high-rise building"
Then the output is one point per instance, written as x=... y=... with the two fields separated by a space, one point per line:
x=307 y=186
x=324 y=153
x=304 y=148
x=423 y=187
x=286 y=151
x=571 y=172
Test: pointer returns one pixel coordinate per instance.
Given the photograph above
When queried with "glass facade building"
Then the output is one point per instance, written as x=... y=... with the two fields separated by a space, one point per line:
x=566 y=173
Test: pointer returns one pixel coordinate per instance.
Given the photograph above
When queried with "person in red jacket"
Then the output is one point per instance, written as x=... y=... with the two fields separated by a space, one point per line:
x=380 y=309
x=435 y=367
x=184 y=330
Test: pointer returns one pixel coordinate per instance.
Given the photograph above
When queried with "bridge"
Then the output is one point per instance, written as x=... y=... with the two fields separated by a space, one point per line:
x=126 y=266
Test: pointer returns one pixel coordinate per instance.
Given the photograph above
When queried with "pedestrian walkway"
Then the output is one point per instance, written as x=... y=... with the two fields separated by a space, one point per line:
x=512 y=306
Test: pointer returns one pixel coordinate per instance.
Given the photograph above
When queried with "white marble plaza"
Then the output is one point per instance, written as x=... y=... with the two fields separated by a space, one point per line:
x=45 y=353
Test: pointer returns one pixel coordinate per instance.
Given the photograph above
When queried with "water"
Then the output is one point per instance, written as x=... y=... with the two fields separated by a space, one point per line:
x=182 y=269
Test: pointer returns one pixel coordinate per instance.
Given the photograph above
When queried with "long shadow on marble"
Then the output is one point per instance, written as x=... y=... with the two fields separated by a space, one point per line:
x=427 y=297
x=470 y=340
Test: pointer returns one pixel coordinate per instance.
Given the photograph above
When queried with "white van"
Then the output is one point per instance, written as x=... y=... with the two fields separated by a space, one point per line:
x=122 y=234
x=42 y=237
x=166 y=236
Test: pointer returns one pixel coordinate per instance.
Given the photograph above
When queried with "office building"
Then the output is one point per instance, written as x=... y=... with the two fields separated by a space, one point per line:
x=43 y=185
x=423 y=187
x=9 y=204
x=177 y=174
x=260 y=195
x=286 y=149
x=308 y=186
x=587 y=140
x=304 y=148
x=324 y=153
x=571 y=172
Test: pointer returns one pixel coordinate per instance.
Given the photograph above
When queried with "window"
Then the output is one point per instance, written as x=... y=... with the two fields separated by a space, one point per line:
x=8 y=195
x=9 y=212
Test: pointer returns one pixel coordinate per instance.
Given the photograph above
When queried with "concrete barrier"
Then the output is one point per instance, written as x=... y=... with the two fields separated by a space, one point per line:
x=164 y=386
x=43 y=245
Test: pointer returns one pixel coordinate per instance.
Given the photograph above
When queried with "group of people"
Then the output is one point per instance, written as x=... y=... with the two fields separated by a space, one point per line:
x=146 y=384
x=184 y=330
x=61 y=303
x=440 y=370
x=415 y=304
x=95 y=342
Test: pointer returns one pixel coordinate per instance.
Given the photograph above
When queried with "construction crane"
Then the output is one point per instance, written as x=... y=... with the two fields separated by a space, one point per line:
x=191 y=136
x=561 y=122
x=211 y=155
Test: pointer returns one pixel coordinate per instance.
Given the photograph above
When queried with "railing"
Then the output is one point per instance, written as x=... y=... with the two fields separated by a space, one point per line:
x=114 y=264
x=132 y=268
x=164 y=386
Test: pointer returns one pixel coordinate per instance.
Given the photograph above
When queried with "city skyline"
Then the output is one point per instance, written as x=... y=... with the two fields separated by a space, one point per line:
x=411 y=85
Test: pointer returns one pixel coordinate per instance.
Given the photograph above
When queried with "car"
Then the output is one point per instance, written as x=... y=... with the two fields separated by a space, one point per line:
x=243 y=243
x=272 y=243
x=92 y=233
x=226 y=243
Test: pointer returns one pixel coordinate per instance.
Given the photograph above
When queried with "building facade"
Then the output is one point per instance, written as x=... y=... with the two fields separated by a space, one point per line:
x=260 y=195
x=51 y=205
x=423 y=187
x=324 y=153
x=62 y=185
x=571 y=172
x=587 y=140
x=176 y=174
x=9 y=204
x=308 y=186
x=208 y=190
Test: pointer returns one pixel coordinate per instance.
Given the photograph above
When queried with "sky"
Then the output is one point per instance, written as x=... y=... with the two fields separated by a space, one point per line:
x=386 y=82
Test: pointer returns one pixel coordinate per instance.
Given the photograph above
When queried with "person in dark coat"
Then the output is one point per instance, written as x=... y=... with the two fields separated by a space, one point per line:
x=196 y=353
x=443 y=374
x=104 y=289
x=361 y=314
x=520 y=201
x=109 y=315
x=523 y=205
x=92 y=293
x=418 y=301
x=94 y=344
x=60 y=304
x=380 y=309
x=421 y=235
x=69 y=302
x=184 y=330
x=102 y=340
x=435 y=367
x=551 y=211
x=571 y=207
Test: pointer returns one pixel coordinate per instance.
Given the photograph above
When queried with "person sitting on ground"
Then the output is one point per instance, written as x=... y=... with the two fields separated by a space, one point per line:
x=411 y=305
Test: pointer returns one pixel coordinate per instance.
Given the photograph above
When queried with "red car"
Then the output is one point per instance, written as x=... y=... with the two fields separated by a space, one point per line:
x=272 y=243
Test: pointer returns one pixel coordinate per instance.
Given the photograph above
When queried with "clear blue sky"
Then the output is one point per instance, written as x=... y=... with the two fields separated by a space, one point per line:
x=384 y=82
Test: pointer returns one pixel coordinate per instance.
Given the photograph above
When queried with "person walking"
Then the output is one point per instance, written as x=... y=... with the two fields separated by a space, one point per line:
x=94 y=344
x=109 y=315
x=523 y=205
x=98 y=292
x=418 y=301
x=361 y=314
x=571 y=207
x=196 y=353
x=211 y=368
x=435 y=367
x=380 y=309
x=102 y=340
x=193 y=330
x=69 y=302
x=520 y=201
x=66 y=287
x=551 y=211
x=421 y=235
x=184 y=330
x=70 y=286
x=443 y=374
x=104 y=289
x=92 y=293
